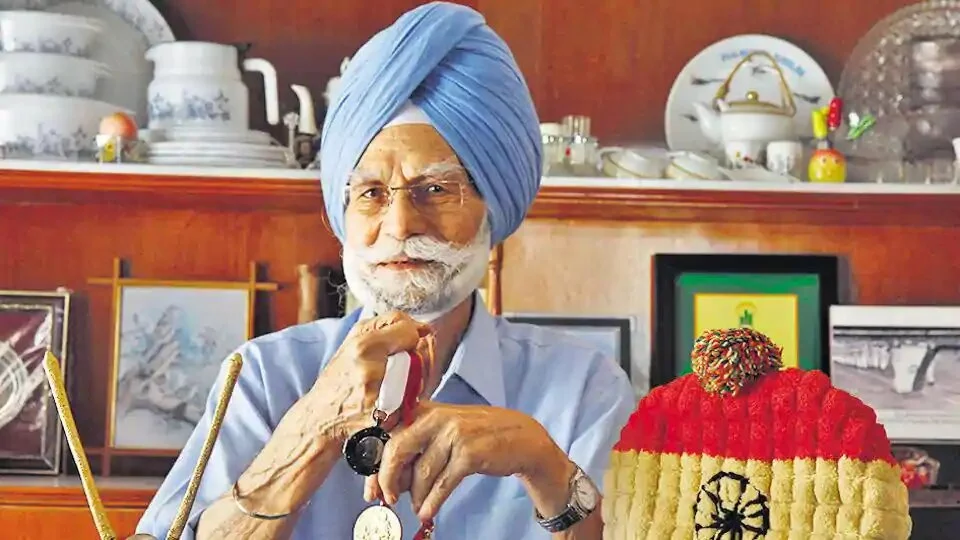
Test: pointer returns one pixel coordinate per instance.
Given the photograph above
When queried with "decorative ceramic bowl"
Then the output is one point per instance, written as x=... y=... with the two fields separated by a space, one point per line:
x=52 y=74
x=34 y=126
x=41 y=32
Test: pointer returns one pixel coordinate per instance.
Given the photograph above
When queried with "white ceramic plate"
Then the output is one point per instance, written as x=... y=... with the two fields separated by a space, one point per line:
x=201 y=161
x=133 y=26
x=215 y=135
x=703 y=75
x=226 y=150
x=757 y=174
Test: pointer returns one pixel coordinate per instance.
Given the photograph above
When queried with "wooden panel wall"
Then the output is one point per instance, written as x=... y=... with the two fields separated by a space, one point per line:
x=49 y=245
x=613 y=60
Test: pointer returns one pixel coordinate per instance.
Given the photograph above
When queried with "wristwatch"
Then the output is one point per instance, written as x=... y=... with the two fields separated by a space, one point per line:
x=584 y=497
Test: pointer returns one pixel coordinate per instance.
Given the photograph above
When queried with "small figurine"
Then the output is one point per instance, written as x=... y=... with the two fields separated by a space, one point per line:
x=827 y=164
x=117 y=140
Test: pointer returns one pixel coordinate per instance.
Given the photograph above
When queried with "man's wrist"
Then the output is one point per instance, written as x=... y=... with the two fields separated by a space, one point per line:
x=548 y=485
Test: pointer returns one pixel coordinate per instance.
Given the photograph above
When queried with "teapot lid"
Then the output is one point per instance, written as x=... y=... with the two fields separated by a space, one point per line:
x=752 y=104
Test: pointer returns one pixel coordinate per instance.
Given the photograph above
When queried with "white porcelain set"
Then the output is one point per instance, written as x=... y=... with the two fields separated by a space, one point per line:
x=199 y=108
x=747 y=130
x=652 y=164
x=49 y=85
x=199 y=84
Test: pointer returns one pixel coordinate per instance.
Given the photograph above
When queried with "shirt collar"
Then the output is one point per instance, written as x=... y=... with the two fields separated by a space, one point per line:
x=477 y=360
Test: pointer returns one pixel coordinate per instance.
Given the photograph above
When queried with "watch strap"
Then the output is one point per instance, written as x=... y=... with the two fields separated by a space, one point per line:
x=566 y=519
x=571 y=515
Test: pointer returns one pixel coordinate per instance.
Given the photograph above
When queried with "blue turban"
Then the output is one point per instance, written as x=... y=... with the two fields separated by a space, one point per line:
x=446 y=60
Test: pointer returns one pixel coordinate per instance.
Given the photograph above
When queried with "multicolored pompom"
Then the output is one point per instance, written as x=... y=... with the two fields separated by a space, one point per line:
x=726 y=361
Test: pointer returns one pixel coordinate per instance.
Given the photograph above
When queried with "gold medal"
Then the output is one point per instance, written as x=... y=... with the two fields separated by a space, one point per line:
x=377 y=523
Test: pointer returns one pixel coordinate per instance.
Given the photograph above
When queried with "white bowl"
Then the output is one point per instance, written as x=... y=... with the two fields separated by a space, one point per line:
x=38 y=31
x=52 y=74
x=62 y=128
x=692 y=166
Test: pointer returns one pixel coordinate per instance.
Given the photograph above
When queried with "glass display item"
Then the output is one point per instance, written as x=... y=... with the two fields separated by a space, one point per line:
x=877 y=76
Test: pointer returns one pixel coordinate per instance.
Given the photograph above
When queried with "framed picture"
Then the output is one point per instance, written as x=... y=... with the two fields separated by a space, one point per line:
x=171 y=339
x=787 y=297
x=30 y=431
x=611 y=334
x=338 y=293
x=904 y=362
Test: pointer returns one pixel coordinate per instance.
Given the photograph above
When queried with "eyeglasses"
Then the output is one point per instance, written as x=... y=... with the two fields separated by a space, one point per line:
x=431 y=198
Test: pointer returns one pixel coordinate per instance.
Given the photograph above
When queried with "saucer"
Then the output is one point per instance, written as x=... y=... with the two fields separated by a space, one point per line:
x=215 y=135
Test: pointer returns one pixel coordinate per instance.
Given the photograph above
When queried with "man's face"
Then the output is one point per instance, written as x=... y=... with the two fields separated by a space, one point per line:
x=421 y=248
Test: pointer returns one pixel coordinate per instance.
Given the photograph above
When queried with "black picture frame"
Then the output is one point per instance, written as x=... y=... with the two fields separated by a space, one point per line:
x=33 y=322
x=331 y=300
x=667 y=269
x=623 y=325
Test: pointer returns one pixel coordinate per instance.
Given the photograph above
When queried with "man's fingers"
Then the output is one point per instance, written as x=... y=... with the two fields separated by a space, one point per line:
x=425 y=471
x=447 y=481
x=402 y=450
x=371 y=488
x=389 y=334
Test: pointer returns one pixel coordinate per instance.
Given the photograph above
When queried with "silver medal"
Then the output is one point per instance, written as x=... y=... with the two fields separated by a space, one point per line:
x=377 y=523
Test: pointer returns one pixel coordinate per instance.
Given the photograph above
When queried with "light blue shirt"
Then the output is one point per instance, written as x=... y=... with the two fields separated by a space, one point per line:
x=580 y=396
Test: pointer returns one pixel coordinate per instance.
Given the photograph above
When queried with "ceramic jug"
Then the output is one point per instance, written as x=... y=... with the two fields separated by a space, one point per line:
x=198 y=83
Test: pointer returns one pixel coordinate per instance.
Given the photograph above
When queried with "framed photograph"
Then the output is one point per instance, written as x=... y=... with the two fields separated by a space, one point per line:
x=30 y=431
x=170 y=342
x=338 y=293
x=787 y=297
x=611 y=334
x=904 y=361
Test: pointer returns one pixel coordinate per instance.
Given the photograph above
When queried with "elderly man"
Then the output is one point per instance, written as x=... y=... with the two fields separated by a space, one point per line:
x=430 y=156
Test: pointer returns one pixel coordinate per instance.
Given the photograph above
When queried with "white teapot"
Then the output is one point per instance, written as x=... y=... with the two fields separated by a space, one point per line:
x=750 y=120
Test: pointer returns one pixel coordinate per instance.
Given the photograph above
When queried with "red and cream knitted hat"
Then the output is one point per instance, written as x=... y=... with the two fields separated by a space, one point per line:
x=742 y=449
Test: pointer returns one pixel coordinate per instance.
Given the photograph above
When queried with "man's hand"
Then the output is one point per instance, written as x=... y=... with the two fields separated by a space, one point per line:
x=348 y=386
x=447 y=443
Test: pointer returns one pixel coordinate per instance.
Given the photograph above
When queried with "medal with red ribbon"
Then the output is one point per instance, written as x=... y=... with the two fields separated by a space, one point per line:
x=399 y=391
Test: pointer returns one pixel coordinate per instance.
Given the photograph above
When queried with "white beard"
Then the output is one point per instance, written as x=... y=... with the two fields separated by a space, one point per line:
x=452 y=274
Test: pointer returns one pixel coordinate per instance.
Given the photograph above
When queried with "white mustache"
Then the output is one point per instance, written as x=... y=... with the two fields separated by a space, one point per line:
x=450 y=274
x=423 y=248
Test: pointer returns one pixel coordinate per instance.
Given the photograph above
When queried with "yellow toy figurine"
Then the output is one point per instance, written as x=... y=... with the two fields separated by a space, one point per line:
x=744 y=449
x=827 y=165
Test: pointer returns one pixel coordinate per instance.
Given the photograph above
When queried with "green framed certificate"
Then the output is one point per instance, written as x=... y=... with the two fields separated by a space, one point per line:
x=786 y=297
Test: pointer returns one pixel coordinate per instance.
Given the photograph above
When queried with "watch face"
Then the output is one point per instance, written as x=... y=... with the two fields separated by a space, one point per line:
x=585 y=493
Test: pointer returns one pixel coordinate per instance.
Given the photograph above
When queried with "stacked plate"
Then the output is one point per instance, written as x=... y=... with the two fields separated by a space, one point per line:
x=203 y=146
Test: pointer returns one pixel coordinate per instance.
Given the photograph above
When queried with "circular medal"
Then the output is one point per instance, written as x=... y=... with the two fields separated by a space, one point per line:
x=377 y=523
x=364 y=450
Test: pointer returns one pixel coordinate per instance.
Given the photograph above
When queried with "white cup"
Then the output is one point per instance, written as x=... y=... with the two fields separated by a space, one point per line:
x=744 y=153
x=784 y=157
x=627 y=163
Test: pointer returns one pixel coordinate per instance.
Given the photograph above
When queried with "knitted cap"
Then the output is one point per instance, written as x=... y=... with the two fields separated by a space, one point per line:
x=742 y=449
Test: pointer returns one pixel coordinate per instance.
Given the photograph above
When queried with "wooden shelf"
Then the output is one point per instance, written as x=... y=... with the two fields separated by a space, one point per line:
x=62 y=491
x=595 y=199
x=739 y=202
x=141 y=185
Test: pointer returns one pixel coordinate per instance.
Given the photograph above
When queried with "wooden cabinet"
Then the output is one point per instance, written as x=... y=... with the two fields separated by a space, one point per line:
x=586 y=243
x=55 y=508
x=64 y=223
